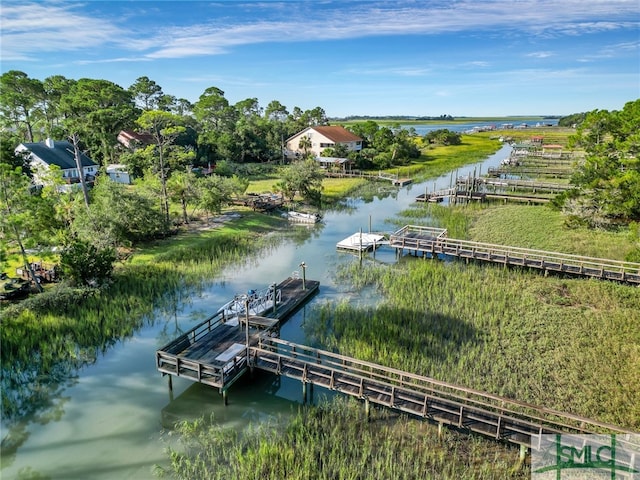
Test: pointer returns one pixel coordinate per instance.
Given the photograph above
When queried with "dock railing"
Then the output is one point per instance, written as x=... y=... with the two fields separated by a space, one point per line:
x=169 y=360
x=259 y=302
x=493 y=415
x=422 y=240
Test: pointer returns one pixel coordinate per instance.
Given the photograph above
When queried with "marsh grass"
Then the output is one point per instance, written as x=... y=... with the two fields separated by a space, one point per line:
x=572 y=345
x=438 y=160
x=65 y=328
x=335 y=189
x=335 y=441
x=538 y=227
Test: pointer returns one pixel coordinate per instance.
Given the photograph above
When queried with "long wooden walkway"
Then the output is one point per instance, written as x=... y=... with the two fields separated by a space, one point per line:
x=530 y=171
x=462 y=196
x=494 y=184
x=497 y=417
x=433 y=242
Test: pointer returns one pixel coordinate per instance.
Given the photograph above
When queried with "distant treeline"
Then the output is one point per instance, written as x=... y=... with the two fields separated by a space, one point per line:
x=352 y=118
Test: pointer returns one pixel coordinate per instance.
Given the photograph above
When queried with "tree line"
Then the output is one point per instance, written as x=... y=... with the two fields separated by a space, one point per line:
x=184 y=138
x=98 y=109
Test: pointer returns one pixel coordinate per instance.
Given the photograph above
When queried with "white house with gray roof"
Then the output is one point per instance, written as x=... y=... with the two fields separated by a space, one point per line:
x=43 y=155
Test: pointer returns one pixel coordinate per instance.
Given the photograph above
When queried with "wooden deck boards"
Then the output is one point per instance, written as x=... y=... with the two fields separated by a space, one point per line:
x=417 y=239
x=213 y=344
x=204 y=353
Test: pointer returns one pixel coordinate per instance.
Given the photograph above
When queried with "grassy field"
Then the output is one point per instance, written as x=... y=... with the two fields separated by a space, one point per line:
x=542 y=228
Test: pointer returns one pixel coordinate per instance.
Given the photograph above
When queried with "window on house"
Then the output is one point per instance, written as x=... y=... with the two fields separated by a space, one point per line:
x=325 y=145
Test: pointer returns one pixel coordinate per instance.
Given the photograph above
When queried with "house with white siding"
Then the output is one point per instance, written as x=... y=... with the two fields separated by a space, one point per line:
x=43 y=155
x=321 y=138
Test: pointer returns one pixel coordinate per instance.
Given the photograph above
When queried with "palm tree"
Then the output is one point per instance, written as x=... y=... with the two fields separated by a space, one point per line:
x=305 y=145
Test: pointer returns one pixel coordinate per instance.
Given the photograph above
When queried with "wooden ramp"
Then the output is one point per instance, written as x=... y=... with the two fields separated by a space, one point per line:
x=490 y=415
x=457 y=196
x=432 y=242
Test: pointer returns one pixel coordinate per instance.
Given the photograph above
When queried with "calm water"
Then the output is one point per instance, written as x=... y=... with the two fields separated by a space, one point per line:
x=113 y=420
x=464 y=127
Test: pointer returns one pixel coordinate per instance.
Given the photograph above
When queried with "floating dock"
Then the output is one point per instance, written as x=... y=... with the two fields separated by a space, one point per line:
x=362 y=242
x=215 y=351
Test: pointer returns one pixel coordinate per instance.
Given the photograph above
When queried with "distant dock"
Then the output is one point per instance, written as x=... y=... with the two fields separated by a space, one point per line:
x=432 y=242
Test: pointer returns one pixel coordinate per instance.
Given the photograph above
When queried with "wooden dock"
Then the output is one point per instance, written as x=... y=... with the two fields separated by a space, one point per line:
x=433 y=242
x=497 y=417
x=463 y=196
x=215 y=351
x=530 y=171
x=395 y=180
x=221 y=349
x=264 y=202
x=493 y=185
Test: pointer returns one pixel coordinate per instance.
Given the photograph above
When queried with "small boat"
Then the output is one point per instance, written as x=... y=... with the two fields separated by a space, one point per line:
x=258 y=302
x=303 y=217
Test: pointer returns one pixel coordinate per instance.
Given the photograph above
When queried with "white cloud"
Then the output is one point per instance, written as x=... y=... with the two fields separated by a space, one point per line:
x=112 y=60
x=33 y=28
x=358 y=20
x=539 y=54
x=479 y=63
x=408 y=71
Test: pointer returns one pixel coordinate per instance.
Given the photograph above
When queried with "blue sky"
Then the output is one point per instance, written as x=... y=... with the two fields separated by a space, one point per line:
x=456 y=57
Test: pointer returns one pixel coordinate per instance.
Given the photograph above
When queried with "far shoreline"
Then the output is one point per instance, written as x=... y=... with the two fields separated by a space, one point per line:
x=409 y=120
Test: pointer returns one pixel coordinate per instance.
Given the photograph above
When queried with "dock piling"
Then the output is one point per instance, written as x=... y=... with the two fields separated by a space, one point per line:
x=275 y=308
x=304 y=276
